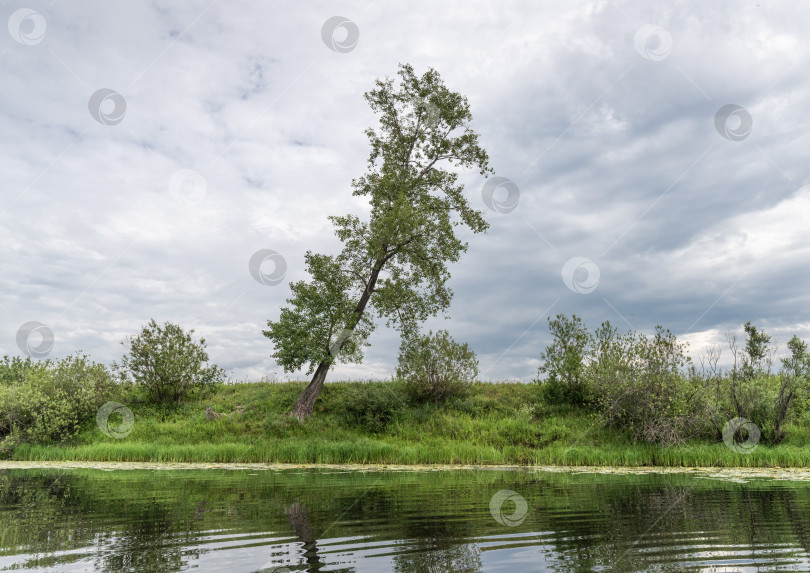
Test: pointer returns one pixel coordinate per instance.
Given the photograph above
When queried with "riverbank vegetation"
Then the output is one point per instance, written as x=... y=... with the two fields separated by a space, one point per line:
x=601 y=398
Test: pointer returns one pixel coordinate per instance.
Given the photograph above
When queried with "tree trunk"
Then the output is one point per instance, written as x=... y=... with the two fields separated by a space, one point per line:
x=306 y=401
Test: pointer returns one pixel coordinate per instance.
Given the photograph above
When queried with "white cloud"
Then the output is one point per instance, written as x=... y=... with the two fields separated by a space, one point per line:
x=616 y=157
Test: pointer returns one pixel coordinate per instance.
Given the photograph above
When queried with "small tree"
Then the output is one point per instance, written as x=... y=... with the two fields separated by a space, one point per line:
x=435 y=367
x=793 y=378
x=798 y=364
x=758 y=395
x=747 y=388
x=757 y=352
x=564 y=360
x=167 y=363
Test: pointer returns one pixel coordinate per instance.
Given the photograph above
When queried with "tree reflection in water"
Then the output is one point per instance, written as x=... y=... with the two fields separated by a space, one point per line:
x=212 y=520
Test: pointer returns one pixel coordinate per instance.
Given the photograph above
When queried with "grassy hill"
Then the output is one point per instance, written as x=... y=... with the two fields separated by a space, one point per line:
x=374 y=422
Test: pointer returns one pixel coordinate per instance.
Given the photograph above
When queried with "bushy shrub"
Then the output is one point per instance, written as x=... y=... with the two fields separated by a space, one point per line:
x=565 y=362
x=752 y=392
x=435 y=367
x=649 y=387
x=373 y=405
x=47 y=402
x=642 y=386
x=13 y=370
x=167 y=363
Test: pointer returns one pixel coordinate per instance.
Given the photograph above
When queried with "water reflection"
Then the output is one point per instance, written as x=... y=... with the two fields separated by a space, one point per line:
x=241 y=521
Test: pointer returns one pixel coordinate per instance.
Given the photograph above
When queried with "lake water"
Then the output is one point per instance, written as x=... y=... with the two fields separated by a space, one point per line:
x=251 y=520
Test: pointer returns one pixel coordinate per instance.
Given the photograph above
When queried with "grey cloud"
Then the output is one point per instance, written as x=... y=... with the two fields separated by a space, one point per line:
x=616 y=157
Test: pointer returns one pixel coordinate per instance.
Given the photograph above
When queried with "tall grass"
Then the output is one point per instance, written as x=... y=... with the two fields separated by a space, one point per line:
x=495 y=424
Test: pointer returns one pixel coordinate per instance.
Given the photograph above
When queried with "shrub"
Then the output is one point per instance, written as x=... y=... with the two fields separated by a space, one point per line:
x=753 y=393
x=373 y=405
x=167 y=363
x=434 y=367
x=479 y=404
x=48 y=401
x=14 y=370
x=564 y=362
x=643 y=387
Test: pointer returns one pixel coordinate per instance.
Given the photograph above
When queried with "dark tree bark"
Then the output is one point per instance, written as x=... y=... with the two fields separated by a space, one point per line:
x=306 y=401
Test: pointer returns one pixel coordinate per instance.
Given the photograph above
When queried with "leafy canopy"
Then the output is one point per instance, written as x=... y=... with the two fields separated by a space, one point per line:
x=393 y=264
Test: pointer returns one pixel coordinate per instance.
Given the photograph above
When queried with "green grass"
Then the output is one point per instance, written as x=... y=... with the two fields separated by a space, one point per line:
x=494 y=425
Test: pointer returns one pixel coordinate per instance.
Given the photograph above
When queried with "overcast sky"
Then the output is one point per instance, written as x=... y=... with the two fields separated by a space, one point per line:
x=657 y=151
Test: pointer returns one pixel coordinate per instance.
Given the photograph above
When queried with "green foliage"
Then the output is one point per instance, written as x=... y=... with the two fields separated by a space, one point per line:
x=394 y=265
x=639 y=384
x=502 y=431
x=768 y=400
x=373 y=405
x=45 y=402
x=564 y=362
x=643 y=387
x=13 y=370
x=757 y=356
x=752 y=392
x=308 y=331
x=648 y=387
x=435 y=367
x=167 y=363
x=798 y=363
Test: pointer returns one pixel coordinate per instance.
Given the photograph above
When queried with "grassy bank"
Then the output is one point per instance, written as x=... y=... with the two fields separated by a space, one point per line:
x=366 y=423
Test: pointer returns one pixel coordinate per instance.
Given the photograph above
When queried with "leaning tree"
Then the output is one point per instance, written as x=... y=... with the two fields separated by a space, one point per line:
x=393 y=264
